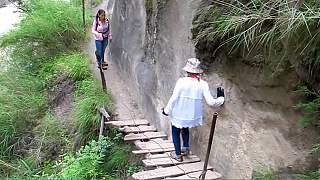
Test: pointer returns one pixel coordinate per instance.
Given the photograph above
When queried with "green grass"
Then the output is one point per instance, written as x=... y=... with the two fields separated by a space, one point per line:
x=285 y=33
x=91 y=98
x=44 y=55
x=95 y=3
x=267 y=175
x=22 y=105
x=75 y=65
x=50 y=29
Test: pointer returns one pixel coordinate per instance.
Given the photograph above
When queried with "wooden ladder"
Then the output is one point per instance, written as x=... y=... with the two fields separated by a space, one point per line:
x=157 y=150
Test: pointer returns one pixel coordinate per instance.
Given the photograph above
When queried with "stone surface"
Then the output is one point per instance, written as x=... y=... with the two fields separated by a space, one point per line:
x=257 y=127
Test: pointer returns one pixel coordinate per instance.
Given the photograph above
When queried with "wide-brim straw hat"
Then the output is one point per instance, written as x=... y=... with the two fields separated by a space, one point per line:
x=193 y=66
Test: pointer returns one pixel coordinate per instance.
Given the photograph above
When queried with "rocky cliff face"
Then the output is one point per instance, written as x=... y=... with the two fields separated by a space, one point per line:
x=257 y=127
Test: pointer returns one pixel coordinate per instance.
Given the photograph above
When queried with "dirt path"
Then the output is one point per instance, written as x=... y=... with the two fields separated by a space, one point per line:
x=125 y=106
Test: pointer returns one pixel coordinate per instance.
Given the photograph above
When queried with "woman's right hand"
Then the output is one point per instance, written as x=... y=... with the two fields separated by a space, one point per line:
x=99 y=36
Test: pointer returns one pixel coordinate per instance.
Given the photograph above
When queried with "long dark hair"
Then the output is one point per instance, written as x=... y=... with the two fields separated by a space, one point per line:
x=100 y=11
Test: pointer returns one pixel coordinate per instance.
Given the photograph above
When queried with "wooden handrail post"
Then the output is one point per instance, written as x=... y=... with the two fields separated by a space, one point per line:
x=104 y=117
x=103 y=79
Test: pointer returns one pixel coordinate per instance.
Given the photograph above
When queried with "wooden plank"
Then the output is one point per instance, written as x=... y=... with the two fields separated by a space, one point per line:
x=154 y=145
x=137 y=129
x=162 y=155
x=152 y=141
x=169 y=161
x=128 y=123
x=146 y=135
x=155 y=156
x=210 y=175
x=170 y=171
x=159 y=140
x=146 y=151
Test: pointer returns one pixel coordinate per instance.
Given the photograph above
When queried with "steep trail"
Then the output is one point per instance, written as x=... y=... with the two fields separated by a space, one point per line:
x=125 y=106
x=147 y=141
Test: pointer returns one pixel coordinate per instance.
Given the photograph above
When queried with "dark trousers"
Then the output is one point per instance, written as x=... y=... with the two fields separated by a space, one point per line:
x=176 y=138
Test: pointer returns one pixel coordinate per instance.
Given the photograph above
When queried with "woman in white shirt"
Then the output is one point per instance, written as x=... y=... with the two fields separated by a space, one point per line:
x=185 y=105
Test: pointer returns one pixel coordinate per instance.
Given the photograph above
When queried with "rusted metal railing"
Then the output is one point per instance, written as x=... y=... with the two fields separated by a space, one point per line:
x=213 y=126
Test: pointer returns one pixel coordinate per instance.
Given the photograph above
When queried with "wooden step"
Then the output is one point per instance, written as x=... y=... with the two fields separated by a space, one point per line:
x=128 y=123
x=146 y=151
x=148 y=145
x=151 y=141
x=169 y=161
x=155 y=156
x=210 y=175
x=146 y=135
x=162 y=155
x=137 y=129
x=170 y=171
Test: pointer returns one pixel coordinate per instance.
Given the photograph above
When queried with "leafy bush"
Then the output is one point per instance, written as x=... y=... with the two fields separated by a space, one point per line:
x=87 y=118
x=96 y=2
x=264 y=176
x=284 y=32
x=85 y=164
x=49 y=29
x=22 y=105
x=311 y=107
x=75 y=65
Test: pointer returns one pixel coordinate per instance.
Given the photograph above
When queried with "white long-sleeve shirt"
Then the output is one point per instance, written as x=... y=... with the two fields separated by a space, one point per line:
x=185 y=105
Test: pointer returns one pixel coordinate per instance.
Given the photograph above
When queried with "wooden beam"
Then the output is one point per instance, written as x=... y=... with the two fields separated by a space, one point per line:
x=210 y=175
x=154 y=145
x=146 y=151
x=146 y=135
x=142 y=128
x=104 y=113
x=101 y=128
x=169 y=161
x=128 y=123
x=155 y=156
x=170 y=171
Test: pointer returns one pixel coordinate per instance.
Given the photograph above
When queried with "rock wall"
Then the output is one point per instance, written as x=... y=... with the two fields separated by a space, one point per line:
x=256 y=128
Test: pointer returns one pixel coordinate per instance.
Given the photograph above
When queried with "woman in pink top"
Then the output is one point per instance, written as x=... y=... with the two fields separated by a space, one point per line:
x=101 y=30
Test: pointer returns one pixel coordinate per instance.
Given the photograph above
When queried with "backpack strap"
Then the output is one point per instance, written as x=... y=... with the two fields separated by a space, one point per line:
x=97 y=23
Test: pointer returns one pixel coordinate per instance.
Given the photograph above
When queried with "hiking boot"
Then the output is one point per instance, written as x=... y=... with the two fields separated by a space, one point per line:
x=176 y=157
x=185 y=151
x=104 y=63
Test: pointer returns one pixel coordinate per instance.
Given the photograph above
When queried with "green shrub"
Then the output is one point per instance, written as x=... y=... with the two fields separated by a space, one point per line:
x=95 y=3
x=75 y=65
x=284 y=33
x=86 y=113
x=49 y=29
x=22 y=105
x=264 y=176
x=311 y=107
x=85 y=164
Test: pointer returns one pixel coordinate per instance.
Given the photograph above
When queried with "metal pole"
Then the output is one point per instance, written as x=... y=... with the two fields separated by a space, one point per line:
x=213 y=126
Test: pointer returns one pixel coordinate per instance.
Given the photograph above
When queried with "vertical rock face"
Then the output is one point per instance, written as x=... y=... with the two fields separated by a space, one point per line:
x=257 y=127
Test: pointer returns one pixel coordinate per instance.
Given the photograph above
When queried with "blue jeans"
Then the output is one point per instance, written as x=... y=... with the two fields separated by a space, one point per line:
x=176 y=138
x=101 y=47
